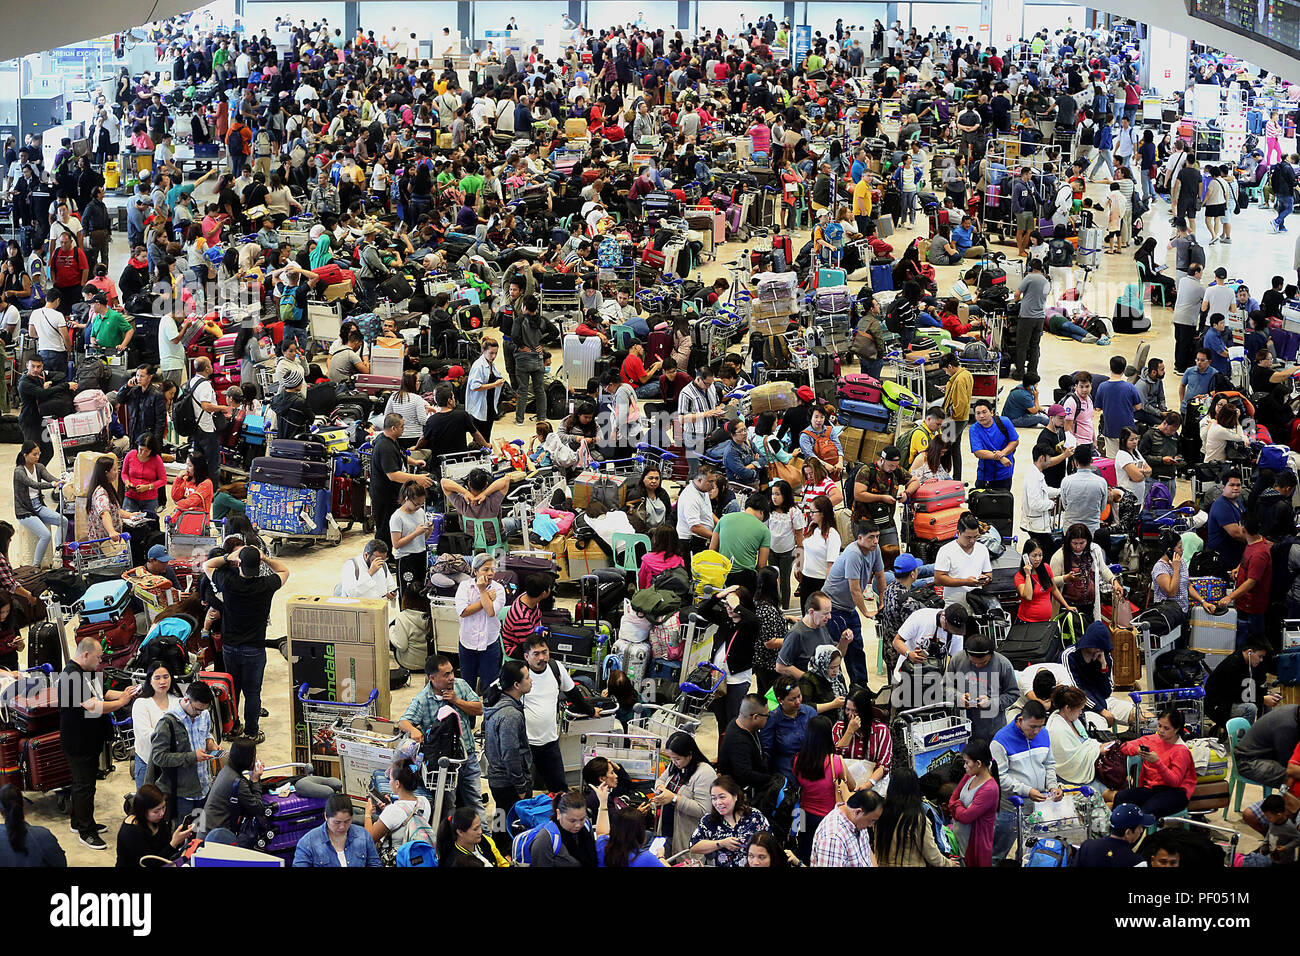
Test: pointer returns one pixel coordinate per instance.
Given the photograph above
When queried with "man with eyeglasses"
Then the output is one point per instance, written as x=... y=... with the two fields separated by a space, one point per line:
x=802 y=641
x=740 y=753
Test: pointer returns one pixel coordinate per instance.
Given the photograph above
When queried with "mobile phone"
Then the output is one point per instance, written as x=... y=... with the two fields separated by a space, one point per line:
x=1144 y=748
x=216 y=754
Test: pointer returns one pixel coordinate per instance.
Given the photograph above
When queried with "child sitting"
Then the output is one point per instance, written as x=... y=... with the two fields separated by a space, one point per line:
x=537 y=452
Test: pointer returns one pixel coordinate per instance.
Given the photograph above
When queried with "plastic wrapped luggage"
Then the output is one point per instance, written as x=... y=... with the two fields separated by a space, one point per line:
x=772 y=397
x=937 y=525
x=290 y=473
x=295 y=511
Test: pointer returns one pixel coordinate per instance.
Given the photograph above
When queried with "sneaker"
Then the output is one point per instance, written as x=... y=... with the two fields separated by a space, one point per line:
x=264 y=712
x=99 y=827
x=238 y=729
x=1213 y=241
x=92 y=842
x=258 y=738
x=1226 y=240
x=1272 y=227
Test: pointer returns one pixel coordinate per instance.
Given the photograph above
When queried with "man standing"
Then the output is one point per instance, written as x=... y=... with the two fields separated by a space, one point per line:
x=246 y=596
x=1187 y=313
x=963 y=565
x=745 y=539
x=740 y=751
x=109 y=328
x=1024 y=205
x=1283 y=182
x=993 y=441
x=1159 y=448
x=985 y=685
x=199 y=390
x=956 y=405
x=530 y=361
x=877 y=490
x=69 y=270
x=145 y=407
x=1022 y=752
x=858 y=568
x=53 y=337
x=83 y=731
x=1253 y=577
x=181 y=751
x=542 y=708
x=388 y=473
x=697 y=409
x=1118 y=399
x=444 y=689
x=171 y=354
x=1197 y=380
x=695 y=518
x=33 y=387
x=1225 y=533
x=1032 y=295
x=1084 y=494
x=98 y=229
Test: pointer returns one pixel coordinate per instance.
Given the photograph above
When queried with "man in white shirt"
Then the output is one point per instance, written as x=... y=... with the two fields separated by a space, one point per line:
x=947 y=625
x=171 y=354
x=243 y=64
x=204 y=397
x=1039 y=496
x=306 y=93
x=478 y=602
x=53 y=340
x=368 y=576
x=542 y=708
x=412 y=49
x=963 y=565
x=63 y=222
x=695 y=518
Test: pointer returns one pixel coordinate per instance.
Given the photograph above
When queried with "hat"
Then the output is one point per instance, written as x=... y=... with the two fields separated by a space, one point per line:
x=890 y=453
x=905 y=564
x=159 y=553
x=806 y=393
x=1126 y=816
x=955 y=614
x=1056 y=411
x=291 y=377
x=456 y=371
x=481 y=559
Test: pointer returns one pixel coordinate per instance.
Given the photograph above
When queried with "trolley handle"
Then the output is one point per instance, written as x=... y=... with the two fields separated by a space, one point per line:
x=77 y=545
x=942 y=705
x=304 y=699
x=1171 y=693
x=691 y=688
x=1019 y=801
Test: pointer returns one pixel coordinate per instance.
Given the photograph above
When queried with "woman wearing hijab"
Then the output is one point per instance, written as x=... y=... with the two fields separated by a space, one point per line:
x=824 y=686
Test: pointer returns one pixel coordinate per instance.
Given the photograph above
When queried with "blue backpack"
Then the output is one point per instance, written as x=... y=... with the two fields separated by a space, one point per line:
x=521 y=850
x=416 y=853
x=1275 y=458
x=1048 y=852
x=534 y=811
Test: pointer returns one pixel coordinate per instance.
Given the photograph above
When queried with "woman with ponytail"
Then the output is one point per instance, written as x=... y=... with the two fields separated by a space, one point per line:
x=974 y=804
x=23 y=845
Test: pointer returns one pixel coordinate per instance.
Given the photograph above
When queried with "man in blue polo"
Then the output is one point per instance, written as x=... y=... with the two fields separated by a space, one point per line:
x=1196 y=381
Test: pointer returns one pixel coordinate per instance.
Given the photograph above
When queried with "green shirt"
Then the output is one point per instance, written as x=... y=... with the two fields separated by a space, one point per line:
x=471 y=183
x=220 y=57
x=740 y=536
x=815 y=63
x=110 y=328
x=1037 y=45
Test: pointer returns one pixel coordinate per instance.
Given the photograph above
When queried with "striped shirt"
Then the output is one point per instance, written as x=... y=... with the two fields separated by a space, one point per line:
x=692 y=401
x=520 y=624
x=412 y=410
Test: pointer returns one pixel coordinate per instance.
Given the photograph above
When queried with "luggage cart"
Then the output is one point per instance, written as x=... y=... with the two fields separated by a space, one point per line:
x=640 y=755
x=1227 y=837
x=365 y=745
x=321 y=716
x=276 y=540
x=1150 y=704
x=663 y=459
x=99 y=554
x=191 y=550
x=683 y=714
x=458 y=465
x=932 y=734
x=1079 y=822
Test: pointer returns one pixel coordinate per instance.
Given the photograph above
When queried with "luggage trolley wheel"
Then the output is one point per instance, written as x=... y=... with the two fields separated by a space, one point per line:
x=274 y=547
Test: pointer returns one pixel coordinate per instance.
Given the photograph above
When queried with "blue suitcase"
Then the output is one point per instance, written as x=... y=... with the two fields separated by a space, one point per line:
x=828 y=278
x=871 y=416
x=296 y=511
x=105 y=601
x=882 y=277
x=347 y=464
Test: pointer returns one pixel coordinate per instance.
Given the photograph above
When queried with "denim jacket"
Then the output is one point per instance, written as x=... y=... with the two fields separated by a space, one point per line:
x=741 y=462
x=314 y=849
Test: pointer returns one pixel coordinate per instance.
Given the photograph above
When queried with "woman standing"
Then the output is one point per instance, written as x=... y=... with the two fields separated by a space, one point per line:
x=821 y=547
x=410 y=404
x=1272 y=140
x=726 y=833
x=22 y=844
x=143 y=833
x=192 y=489
x=103 y=507
x=732 y=610
x=683 y=790
x=860 y=737
x=143 y=476
x=31 y=479
x=823 y=778
x=1081 y=568
x=786 y=522
x=145 y=714
x=783 y=735
x=772 y=628
x=1131 y=469
x=974 y=804
x=1037 y=587
x=904 y=835
x=409 y=527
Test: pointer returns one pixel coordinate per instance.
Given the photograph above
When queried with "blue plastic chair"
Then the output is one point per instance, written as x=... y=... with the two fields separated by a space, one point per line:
x=1237 y=727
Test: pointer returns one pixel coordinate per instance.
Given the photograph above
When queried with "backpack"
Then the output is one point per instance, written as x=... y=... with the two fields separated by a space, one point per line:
x=1058 y=252
x=675 y=581
x=185 y=418
x=776 y=352
x=824 y=447
x=235 y=142
x=1195 y=253
x=262 y=143
x=1049 y=851
x=1159 y=497
x=521 y=849
x=655 y=606
x=415 y=853
x=443 y=740
x=1071 y=625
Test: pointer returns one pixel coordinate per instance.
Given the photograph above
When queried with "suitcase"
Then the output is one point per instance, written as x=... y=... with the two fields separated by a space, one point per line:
x=993 y=505
x=572 y=643
x=1106 y=468
x=658 y=347
x=104 y=601
x=1032 y=643
x=11 y=758
x=870 y=416
x=828 y=278
x=114 y=634
x=939 y=495
x=45 y=768
x=1208 y=797
x=348 y=500
x=290 y=473
x=37 y=713
x=937 y=525
x=610 y=489
x=314 y=451
x=223 y=689
x=897 y=397
x=882 y=277
x=294 y=511
x=1126 y=663
x=1214 y=635
x=45 y=646
x=860 y=387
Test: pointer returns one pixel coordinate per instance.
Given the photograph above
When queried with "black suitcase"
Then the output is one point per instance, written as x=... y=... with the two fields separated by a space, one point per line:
x=573 y=643
x=312 y=451
x=45 y=646
x=290 y=473
x=322 y=398
x=1032 y=643
x=988 y=504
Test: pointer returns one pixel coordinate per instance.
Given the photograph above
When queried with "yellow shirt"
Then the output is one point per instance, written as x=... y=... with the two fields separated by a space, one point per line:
x=862 y=197
x=921 y=438
x=956 y=395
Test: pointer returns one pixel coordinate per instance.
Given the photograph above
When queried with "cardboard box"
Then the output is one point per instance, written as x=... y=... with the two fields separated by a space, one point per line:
x=337 y=291
x=851 y=441
x=873 y=443
x=586 y=560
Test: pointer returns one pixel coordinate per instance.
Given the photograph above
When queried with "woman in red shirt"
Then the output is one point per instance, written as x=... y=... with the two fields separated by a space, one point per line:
x=1168 y=774
x=143 y=476
x=820 y=772
x=192 y=490
x=1038 y=589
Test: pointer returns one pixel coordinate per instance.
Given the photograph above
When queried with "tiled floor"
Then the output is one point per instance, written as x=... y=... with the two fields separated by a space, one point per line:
x=1255 y=256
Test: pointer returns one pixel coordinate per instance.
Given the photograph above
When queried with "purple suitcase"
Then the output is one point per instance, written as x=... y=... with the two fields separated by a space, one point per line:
x=290 y=473
x=735 y=219
x=286 y=820
x=290 y=450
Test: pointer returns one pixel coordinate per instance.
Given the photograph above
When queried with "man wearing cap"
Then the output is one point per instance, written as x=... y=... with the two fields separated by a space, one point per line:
x=917 y=637
x=1128 y=825
x=368 y=576
x=794 y=421
x=109 y=329
x=984 y=684
x=877 y=490
x=292 y=417
x=158 y=562
x=858 y=568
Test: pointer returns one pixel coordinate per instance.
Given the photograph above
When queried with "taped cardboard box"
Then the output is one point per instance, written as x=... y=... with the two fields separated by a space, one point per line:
x=586 y=560
x=337 y=291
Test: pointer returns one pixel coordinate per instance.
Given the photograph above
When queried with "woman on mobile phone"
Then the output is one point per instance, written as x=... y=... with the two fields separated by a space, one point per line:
x=237 y=791
x=145 y=832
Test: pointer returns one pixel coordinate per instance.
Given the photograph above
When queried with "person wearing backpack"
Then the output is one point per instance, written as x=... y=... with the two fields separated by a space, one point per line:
x=444 y=688
x=1060 y=259
x=505 y=745
x=566 y=840
x=237 y=143
x=194 y=409
x=408 y=816
x=993 y=441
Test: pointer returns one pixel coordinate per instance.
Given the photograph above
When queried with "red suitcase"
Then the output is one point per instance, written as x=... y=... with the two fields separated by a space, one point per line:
x=114 y=635
x=860 y=387
x=37 y=713
x=11 y=758
x=939 y=495
x=223 y=689
x=659 y=346
x=937 y=525
x=348 y=500
x=45 y=768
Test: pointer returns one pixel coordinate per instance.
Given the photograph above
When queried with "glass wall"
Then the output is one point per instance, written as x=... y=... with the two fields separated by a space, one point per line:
x=822 y=16
x=532 y=18
x=964 y=18
x=605 y=14
x=730 y=15
x=261 y=16
x=424 y=19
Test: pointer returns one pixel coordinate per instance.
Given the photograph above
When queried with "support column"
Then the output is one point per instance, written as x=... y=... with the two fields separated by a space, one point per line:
x=575 y=11
x=683 y=14
x=787 y=13
x=351 y=18
x=465 y=22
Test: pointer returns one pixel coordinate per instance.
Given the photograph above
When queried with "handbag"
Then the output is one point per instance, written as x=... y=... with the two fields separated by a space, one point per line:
x=1112 y=769
x=790 y=471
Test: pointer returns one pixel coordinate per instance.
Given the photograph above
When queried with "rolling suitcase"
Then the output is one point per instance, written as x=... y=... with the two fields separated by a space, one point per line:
x=295 y=511
x=937 y=525
x=1032 y=643
x=939 y=495
x=115 y=634
x=45 y=646
x=348 y=500
x=313 y=451
x=45 y=768
x=1214 y=635
x=290 y=473
x=1106 y=468
x=870 y=416
x=882 y=276
x=11 y=758
x=658 y=346
x=223 y=690
x=1126 y=668
x=860 y=387
x=37 y=713
x=285 y=820
x=105 y=601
